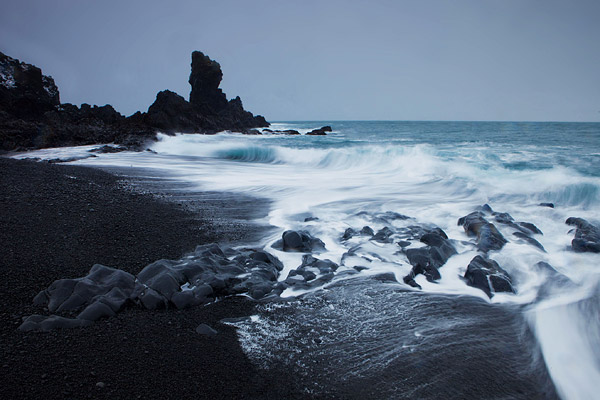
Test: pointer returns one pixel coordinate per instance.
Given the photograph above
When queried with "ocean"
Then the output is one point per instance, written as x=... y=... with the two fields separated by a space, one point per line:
x=381 y=337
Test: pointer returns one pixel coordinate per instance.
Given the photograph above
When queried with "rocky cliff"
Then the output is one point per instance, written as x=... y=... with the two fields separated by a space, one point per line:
x=31 y=115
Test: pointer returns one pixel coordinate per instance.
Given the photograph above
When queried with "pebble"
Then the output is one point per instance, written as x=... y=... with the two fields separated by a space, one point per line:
x=100 y=385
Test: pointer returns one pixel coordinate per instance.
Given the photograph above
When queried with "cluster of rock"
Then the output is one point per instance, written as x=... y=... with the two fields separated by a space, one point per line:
x=483 y=272
x=435 y=248
x=211 y=272
x=31 y=115
x=199 y=278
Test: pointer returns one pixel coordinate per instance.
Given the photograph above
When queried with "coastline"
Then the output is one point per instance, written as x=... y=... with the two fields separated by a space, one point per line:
x=56 y=222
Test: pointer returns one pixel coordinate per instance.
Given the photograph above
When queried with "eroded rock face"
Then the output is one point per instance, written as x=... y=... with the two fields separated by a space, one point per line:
x=171 y=113
x=24 y=91
x=205 y=78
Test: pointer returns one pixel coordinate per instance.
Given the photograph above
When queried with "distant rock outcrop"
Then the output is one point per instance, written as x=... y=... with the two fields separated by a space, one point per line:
x=31 y=115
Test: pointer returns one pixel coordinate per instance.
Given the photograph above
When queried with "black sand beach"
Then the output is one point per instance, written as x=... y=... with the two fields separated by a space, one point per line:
x=57 y=221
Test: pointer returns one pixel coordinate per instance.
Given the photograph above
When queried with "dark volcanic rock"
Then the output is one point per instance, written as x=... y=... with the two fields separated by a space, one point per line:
x=312 y=273
x=320 y=132
x=383 y=235
x=205 y=78
x=587 y=236
x=427 y=260
x=282 y=132
x=530 y=227
x=365 y=231
x=300 y=241
x=486 y=274
x=171 y=113
x=488 y=236
x=31 y=115
x=25 y=92
x=194 y=280
x=529 y=240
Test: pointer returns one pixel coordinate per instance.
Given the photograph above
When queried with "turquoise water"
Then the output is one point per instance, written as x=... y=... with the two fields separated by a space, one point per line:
x=541 y=145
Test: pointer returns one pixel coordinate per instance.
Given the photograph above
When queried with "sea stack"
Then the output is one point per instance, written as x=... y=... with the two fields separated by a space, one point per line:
x=31 y=115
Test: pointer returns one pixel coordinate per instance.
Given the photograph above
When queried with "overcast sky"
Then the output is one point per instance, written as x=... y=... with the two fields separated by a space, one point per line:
x=324 y=60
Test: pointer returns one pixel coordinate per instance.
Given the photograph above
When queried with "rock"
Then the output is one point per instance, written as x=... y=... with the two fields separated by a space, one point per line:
x=152 y=300
x=320 y=132
x=385 y=277
x=300 y=241
x=531 y=227
x=49 y=323
x=550 y=205
x=31 y=115
x=367 y=231
x=100 y=385
x=103 y=284
x=196 y=279
x=587 y=236
x=410 y=281
x=25 y=92
x=503 y=218
x=171 y=113
x=427 y=260
x=205 y=78
x=282 y=132
x=309 y=219
x=163 y=277
x=530 y=240
x=305 y=276
x=487 y=275
x=350 y=233
x=208 y=100
x=383 y=235
x=205 y=330
x=108 y=149
x=488 y=236
x=324 y=266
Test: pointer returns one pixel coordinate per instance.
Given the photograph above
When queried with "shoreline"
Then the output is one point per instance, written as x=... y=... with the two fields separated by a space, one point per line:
x=59 y=220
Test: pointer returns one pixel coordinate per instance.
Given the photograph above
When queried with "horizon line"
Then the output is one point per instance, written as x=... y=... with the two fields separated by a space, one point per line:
x=433 y=120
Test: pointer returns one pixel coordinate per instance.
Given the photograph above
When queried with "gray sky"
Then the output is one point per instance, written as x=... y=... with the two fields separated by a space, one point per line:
x=330 y=60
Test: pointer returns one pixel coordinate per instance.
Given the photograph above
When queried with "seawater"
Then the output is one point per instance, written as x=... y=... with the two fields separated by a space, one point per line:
x=434 y=173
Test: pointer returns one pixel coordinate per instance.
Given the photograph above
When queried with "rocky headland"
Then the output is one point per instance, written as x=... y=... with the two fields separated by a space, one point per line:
x=32 y=116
